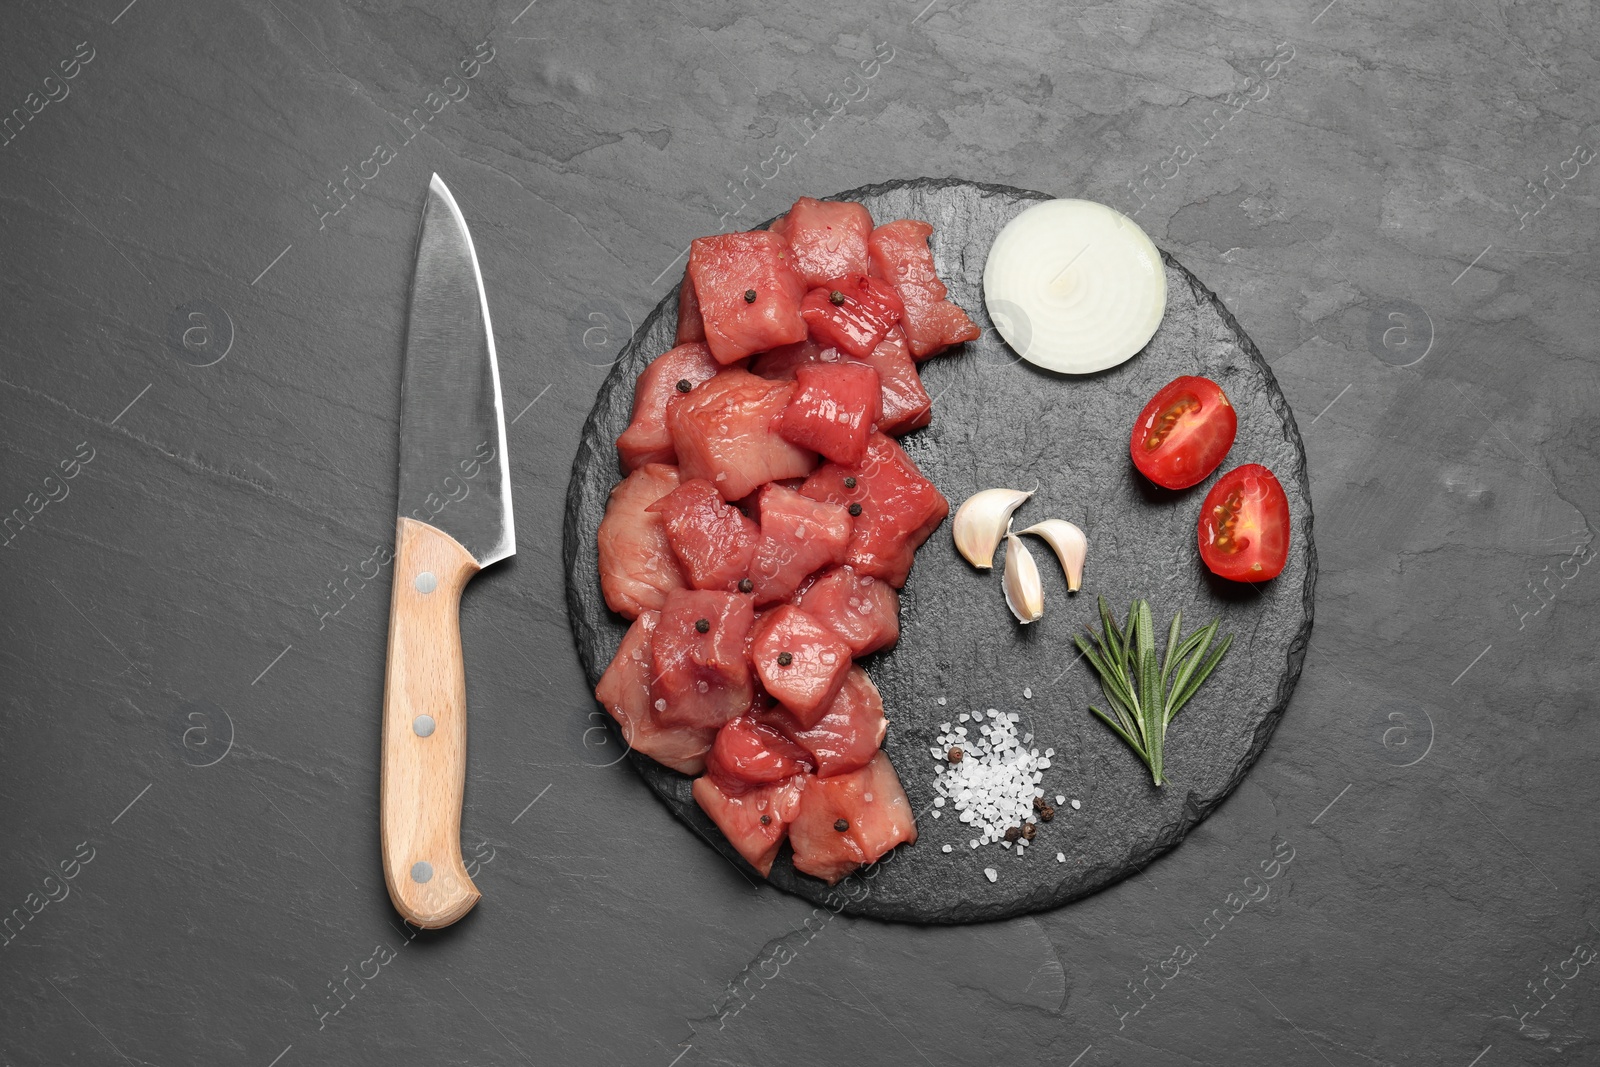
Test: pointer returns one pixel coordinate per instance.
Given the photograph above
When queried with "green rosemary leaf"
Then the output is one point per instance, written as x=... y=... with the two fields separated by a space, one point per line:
x=1194 y=655
x=1200 y=676
x=1118 y=730
x=1145 y=691
x=1172 y=644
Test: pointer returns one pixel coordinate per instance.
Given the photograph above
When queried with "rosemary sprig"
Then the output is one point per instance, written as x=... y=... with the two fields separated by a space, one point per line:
x=1146 y=695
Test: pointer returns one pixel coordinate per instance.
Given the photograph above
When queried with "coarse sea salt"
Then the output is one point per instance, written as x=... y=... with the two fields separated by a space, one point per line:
x=993 y=786
x=991 y=874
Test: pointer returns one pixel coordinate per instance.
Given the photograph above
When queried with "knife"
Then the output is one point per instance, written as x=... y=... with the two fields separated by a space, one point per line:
x=454 y=520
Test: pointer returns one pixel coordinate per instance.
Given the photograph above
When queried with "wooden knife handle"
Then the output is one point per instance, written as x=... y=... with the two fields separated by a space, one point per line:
x=425 y=729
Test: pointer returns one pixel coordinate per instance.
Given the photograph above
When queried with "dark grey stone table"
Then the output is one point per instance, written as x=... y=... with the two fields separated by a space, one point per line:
x=208 y=213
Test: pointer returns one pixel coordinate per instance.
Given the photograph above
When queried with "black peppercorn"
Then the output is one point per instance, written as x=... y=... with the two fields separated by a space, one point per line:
x=746 y=585
x=749 y=296
x=684 y=385
x=841 y=825
x=855 y=509
x=702 y=625
x=1028 y=830
x=766 y=820
x=1046 y=813
x=1013 y=833
x=836 y=298
x=850 y=482
x=956 y=755
x=784 y=659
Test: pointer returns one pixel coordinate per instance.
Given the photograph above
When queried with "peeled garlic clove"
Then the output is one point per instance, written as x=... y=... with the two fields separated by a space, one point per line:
x=1024 y=591
x=1070 y=544
x=981 y=521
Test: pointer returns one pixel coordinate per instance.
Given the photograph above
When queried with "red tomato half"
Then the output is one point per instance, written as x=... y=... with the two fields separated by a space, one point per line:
x=1244 y=525
x=1183 y=433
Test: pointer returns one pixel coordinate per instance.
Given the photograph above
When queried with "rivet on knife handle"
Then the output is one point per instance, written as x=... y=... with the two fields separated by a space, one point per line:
x=425 y=729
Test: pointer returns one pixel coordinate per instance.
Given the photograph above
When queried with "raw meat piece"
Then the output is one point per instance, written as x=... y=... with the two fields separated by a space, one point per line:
x=726 y=269
x=864 y=611
x=624 y=691
x=829 y=237
x=847 y=736
x=723 y=432
x=873 y=807
x=899 y=253
x=739 y=817
x=712 y=540
x=851 y=313
x=701 y=678
x=801 y=663
x=646 y=439
x=899 y=508
x=799 y=535
x=833 y=409
x=637 y=567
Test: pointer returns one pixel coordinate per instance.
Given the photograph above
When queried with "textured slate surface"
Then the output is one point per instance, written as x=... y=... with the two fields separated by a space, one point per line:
x=1001 y=421
x=1398 y=217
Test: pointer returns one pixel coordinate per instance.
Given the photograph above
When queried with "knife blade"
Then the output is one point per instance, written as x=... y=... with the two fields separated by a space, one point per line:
x=454 y=519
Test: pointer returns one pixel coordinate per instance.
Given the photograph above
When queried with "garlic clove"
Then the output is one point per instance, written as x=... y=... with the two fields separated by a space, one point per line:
x=1070 y=544
x=980 y=522
x=1024 y=591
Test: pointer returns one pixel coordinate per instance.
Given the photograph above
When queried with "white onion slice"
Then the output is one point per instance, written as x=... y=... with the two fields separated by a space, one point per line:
x=1074 y=286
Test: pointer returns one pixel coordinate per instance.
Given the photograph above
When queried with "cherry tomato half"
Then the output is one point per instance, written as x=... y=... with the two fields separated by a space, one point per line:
x=1183 y=433
x=1244 y=525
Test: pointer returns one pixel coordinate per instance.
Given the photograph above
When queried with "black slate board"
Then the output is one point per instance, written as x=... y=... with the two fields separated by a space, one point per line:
x=1000 y=421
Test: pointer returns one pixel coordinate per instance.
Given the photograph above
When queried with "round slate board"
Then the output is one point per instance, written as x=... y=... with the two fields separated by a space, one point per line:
x=999 y=421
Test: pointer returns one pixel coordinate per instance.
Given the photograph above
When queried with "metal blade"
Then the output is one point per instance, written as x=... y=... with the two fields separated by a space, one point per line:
x=453 y=469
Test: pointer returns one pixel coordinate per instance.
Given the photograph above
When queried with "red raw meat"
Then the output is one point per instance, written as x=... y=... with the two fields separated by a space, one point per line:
x=725 y=270
x=861 y=609
x=637 y=567
x=799 y=535
x=690 y=327
x=723 y=432
x=739 y=817
x=833 y=409
x=701 y=679
x=899 y=508
x=851 y=313
x=624 y=690
x=845 y=738
x=816 y=668
x=779 y=365
x=712 y=540
x=899 y=253
x=906 y=404
x=748 y=752
x=829 y=238
x=873 y=807
x=646 y=439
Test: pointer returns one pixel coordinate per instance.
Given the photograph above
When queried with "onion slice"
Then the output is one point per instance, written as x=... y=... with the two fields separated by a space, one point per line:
x=1074 y=286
